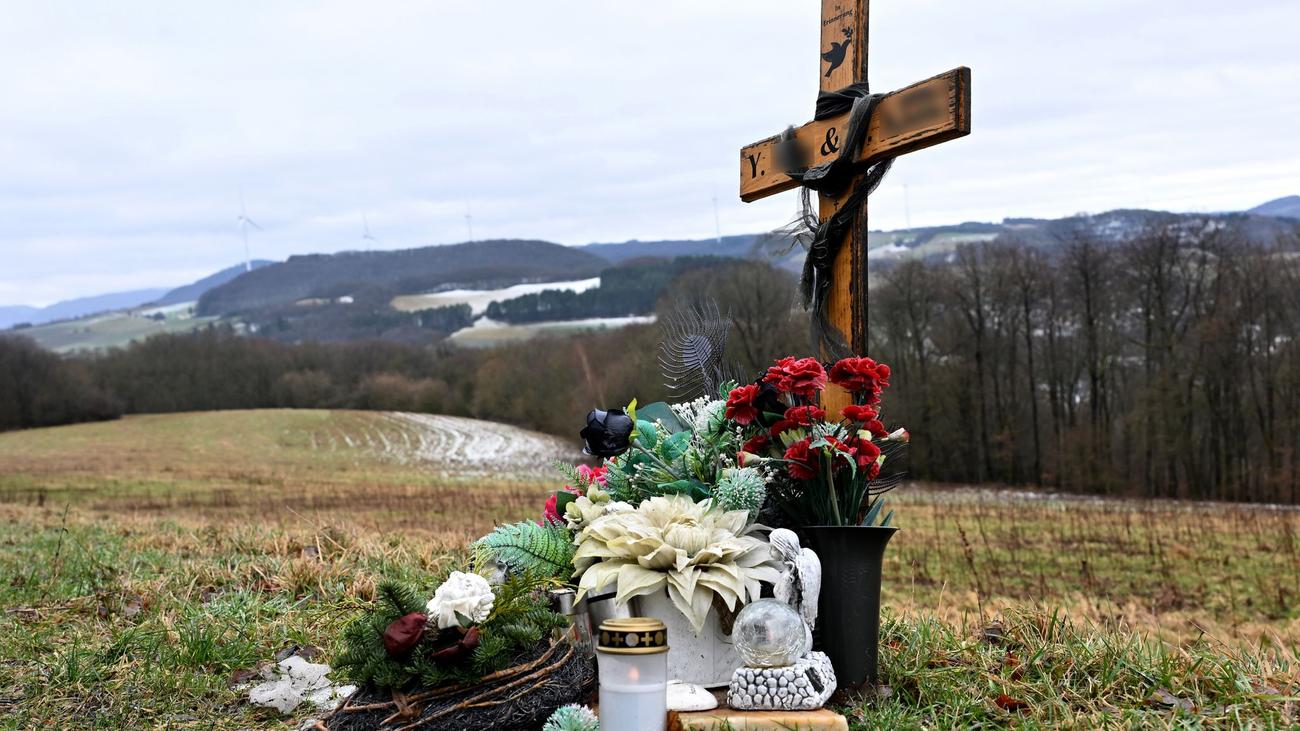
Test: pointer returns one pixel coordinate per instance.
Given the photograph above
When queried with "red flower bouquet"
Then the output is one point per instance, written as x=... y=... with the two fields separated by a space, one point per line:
x=821 y=471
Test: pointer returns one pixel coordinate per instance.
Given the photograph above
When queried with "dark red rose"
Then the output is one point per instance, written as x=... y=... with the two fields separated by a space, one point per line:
x=862 y=376
x=804 y=415
x=855 y=412
x=756 y=444
x=740 y=404
x=803 y=377
x=801 y=460
x=458 y=651
x=404 y=634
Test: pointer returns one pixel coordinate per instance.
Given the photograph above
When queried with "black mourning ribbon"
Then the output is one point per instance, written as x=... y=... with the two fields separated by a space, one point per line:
x=831 y=178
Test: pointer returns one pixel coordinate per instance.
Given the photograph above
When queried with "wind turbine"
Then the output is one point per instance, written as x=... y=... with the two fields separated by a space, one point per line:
x=244 y=223
x=365 y=235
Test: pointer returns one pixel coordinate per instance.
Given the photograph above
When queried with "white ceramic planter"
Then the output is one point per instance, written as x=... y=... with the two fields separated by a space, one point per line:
x=705 y=658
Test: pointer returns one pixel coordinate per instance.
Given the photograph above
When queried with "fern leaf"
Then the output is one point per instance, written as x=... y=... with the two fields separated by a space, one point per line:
x=527 y=547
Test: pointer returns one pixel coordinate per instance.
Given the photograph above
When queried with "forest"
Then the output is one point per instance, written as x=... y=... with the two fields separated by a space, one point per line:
x=631 y=288
x=1164 y=365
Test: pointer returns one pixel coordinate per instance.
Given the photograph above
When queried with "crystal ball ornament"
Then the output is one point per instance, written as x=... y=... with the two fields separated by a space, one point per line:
x=770 y=634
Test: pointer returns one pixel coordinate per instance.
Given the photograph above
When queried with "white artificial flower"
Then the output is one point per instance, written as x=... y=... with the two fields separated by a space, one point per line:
x=469 y=595
x=594 y=504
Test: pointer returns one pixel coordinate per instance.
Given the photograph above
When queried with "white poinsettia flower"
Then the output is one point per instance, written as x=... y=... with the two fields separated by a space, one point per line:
x=695 y=550
x=468 y=595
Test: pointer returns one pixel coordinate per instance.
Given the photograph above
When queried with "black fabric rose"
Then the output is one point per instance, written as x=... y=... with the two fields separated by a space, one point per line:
x=768 y=403
x=608 y=433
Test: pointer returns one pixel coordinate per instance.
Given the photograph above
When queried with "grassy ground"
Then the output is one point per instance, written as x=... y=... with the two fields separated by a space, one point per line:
x=142 y=563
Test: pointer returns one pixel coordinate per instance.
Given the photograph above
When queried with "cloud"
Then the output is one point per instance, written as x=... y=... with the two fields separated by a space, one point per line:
x=130 y=128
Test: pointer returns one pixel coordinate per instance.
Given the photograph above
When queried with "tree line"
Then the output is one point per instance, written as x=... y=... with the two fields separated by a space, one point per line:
x=1165 y=365
x=547 y=383
x=631 y=288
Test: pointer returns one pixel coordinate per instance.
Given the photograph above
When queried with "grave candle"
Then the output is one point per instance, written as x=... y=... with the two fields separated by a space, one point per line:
x=632 y=655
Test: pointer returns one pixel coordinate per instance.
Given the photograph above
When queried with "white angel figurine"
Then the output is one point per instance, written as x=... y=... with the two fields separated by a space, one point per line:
x=801 y=578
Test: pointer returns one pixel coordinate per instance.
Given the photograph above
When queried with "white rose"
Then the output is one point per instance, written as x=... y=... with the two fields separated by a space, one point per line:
x=466 y=594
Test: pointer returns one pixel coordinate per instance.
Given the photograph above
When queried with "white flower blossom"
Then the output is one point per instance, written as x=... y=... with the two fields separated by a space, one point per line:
x=469 y=595
x=594 y=504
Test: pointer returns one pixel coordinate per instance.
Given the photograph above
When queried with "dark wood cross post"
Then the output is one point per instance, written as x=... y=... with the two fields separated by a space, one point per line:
x=923 y=114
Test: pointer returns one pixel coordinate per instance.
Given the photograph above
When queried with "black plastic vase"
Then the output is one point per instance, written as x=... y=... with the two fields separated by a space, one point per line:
x=848 y=616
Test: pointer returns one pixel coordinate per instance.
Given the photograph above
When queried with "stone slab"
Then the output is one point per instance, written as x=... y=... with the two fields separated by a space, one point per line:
x=725 y=719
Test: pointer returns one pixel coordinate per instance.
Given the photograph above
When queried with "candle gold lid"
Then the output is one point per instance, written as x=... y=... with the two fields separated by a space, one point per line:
x=633 y=636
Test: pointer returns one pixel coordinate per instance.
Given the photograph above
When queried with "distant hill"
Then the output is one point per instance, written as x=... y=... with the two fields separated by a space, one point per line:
x=480 y=264
x=79 y=307
x=11 y=315
x=730 y=246
x=191 y=292
x=372 y=279
x=1287 y=207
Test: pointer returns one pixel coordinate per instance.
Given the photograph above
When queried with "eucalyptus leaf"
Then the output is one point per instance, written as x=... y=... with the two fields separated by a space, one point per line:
x=695 y=489
x=647 y=434
x=662 y=413
x=675 y=446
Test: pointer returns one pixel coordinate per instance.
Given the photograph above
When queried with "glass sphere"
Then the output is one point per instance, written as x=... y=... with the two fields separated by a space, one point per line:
x=770 y=634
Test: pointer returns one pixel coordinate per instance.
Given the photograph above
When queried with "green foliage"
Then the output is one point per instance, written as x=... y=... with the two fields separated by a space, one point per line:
x=521 y=618
x=531 y=548
x=572 y=717
x=364 y=658
x=873 y=516
x=662 y=415
x=677 y=455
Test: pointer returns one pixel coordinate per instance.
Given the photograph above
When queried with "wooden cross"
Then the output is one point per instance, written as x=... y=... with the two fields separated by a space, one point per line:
x=923 y=114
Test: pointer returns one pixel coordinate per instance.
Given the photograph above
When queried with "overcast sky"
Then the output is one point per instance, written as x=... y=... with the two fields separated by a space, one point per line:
x=128 y=128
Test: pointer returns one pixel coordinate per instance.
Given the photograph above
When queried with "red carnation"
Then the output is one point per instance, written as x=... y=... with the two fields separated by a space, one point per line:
x=861 y=376
x=842 y=453
x=404 y=634
x=877 y=428
x=801 y=460
x=756 y=444
x=804 y=415
x=740 y=404
x=855 y=412
x=866 y=453
x=803 y=377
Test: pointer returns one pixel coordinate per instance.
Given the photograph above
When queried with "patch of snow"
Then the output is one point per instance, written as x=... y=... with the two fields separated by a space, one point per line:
x=180 y=308
x=479 y=299
x=491 y=331
x=472 y=446
x=294 y=681
x=888 y=250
